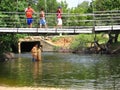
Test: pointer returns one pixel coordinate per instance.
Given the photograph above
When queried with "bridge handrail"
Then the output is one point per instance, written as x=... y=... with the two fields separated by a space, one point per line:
x=18 y=19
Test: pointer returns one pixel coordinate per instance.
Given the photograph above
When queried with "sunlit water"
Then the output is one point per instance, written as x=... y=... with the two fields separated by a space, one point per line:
x=76 y=72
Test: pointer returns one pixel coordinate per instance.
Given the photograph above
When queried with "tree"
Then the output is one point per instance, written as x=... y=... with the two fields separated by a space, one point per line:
x=79 y=18
x=102 y=5
x=108 y=5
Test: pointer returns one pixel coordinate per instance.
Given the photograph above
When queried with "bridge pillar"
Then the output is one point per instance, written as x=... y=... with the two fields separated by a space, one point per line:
x=19 y=47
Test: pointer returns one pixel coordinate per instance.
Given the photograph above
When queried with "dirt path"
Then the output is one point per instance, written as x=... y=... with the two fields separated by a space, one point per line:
x=63 y=41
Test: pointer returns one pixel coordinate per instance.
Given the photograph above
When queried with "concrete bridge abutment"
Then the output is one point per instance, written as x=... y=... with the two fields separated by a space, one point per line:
x=26 y=44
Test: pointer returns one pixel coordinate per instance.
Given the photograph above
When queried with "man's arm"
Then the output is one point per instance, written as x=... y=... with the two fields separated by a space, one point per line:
x=33 y=11
x=26 y=9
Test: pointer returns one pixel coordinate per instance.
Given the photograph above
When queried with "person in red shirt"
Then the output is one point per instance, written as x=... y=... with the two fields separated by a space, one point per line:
x=29 y=12
x=59 y=17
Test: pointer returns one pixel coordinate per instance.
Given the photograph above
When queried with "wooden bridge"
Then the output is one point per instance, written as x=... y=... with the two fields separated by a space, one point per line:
x=99 y=21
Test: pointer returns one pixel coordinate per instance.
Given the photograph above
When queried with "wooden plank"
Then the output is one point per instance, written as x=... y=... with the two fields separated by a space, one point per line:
x=116 y=27
x=8 y=30
x=103 y=28
x=27 y=30
x=65 y=30
x=86 y=30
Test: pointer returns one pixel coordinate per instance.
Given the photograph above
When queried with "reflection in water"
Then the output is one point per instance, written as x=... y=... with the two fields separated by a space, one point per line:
x=95 y=72
x=37 y=71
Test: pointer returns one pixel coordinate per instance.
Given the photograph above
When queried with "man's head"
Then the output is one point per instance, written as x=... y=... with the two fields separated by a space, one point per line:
x=42 y=9
x=29 y=6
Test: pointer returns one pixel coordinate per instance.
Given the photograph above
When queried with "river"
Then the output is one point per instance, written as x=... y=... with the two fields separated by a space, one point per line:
x=66 y=70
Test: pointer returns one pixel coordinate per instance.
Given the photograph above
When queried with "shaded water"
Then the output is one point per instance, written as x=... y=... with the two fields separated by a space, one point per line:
x=95 y=72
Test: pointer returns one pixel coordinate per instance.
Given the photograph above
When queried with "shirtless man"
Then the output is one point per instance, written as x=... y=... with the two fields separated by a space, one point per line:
x=42 y=18
x=36 y=53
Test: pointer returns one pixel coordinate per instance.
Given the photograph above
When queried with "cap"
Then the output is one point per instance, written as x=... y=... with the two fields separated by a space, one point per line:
x=59 y=7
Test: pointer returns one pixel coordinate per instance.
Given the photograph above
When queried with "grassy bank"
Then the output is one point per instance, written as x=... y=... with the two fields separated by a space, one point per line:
x=81 y=41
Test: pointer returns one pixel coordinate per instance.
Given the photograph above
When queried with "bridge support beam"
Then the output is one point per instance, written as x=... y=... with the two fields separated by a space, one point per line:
x=19 y=47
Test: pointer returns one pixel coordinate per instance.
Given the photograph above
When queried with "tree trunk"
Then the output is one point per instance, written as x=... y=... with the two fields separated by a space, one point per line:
x=113 y=37
x=116 y=37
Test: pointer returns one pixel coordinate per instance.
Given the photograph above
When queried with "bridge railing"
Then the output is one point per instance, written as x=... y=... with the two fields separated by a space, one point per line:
x=70 y=20
x=18 y=19
x=107 y=18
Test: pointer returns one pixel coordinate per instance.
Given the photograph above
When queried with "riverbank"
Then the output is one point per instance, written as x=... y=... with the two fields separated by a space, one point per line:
x=79 y=44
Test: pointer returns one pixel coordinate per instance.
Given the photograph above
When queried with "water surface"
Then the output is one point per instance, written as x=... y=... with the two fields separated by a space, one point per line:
x=95 y=72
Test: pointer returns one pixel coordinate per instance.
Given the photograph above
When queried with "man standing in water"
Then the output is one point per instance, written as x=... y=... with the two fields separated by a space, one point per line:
x=29 y=12
x=36 y=52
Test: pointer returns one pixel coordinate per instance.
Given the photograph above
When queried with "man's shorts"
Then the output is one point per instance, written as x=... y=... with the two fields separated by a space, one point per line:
x=42 y=21
x=29 y=21
x=59 y=21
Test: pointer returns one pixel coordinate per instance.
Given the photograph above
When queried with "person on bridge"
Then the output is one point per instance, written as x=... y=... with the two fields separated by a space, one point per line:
x=36 y=52
x=59 y=17
x=42 y=19
x=29 y=12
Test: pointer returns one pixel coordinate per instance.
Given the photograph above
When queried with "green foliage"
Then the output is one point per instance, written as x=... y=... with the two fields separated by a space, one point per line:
x=56 y=48
x=7 y=40
x=102 y=5
x=79 y=19
x=119 y=38
x=81 y=41
x=54 y=39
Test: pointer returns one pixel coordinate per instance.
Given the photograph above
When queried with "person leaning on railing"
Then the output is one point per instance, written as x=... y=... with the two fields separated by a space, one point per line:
x=29 y=12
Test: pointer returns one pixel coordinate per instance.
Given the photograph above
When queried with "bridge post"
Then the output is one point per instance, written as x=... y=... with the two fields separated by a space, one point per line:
x=19 y=47
x=93 y=16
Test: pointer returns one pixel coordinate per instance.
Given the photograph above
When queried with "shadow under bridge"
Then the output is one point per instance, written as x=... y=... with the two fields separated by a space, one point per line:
x=26 y=44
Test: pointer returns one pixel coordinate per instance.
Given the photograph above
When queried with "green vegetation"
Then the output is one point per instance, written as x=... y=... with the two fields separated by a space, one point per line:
x=81 y=41
x=56 y=48
x=9 y=40
x=54 y=39
x=84 y=40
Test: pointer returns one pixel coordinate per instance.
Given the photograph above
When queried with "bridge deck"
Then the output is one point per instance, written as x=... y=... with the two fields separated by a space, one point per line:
x=107 y=28
x=44 y=30
x=53 y=30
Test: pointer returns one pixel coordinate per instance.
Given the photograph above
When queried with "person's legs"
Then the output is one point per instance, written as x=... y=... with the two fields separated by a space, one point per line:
x=29 y=22
x=30 y=26
x=59 y=24
x=42 y=23
x=33 y=59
